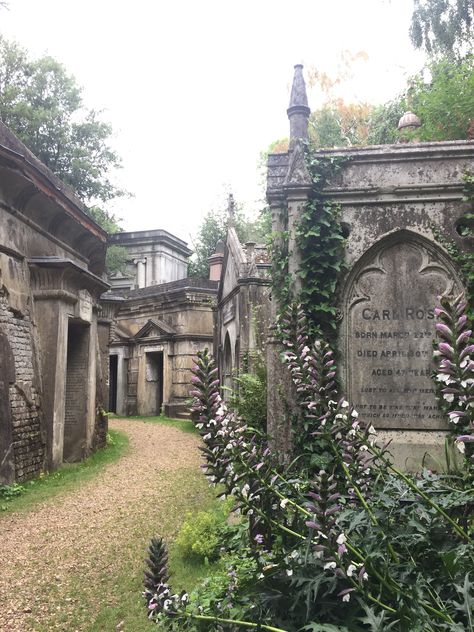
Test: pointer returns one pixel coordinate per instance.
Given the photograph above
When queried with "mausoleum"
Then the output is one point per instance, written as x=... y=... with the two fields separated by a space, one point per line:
x=243 y=306
x=401 y=207
x=52 y=261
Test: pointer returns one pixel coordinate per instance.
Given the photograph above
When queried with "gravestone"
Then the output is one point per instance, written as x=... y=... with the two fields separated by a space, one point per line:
x=389 y=328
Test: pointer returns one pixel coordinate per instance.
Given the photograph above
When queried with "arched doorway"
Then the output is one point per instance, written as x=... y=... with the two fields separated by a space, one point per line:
x=227 y=369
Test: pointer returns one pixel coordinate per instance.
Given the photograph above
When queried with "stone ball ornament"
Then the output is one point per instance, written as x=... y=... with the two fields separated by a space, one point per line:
x=409 y=121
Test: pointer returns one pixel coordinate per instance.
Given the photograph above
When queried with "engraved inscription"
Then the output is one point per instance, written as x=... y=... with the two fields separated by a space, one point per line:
x=390 y=329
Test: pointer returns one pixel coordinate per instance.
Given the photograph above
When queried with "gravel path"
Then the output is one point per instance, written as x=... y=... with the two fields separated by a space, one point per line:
x=53 y=558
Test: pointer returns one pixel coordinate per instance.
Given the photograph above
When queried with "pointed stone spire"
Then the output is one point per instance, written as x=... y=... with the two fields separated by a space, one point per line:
x=298 y=112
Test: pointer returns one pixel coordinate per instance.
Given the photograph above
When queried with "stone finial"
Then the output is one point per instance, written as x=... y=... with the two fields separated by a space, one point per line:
x=409 y=121
x=298 y=112
x=407 y=125
x=231 y=209
x=250 y=251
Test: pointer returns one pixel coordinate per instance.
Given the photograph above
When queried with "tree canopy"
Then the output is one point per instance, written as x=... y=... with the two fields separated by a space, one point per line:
x=444 y=103
x=42 y=104
x=214 y=228
x=443 y=27
x=441 y=94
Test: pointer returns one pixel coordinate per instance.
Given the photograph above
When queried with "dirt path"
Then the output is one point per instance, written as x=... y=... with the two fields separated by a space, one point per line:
x=58 y=561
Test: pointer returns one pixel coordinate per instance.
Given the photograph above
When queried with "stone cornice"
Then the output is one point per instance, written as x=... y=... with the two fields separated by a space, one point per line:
x=438 y=192
x=57 y=274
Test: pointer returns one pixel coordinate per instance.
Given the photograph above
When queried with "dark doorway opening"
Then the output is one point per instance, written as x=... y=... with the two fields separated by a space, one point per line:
x=227 y=381
x=77 y=389
x=154 y=382
x=113 y=373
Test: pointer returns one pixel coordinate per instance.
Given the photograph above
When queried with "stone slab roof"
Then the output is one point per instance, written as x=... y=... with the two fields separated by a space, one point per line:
x=203 y=285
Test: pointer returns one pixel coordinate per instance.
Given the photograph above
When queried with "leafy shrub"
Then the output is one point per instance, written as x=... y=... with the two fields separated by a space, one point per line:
x=249 y=399
x=201 y=533
x=7 y=492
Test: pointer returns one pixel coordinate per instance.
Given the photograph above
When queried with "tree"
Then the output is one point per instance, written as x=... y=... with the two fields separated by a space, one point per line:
x=340 y=124
x=214 y=229
x=42 y=104
x=445 y=104
x=383 y=122
x=443 y=27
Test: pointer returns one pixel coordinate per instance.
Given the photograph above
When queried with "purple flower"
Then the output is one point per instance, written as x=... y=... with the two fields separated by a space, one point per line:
x=443 y=329
x=446 y=349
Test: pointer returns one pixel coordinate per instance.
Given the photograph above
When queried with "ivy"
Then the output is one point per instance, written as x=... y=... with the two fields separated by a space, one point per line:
x=321 y=242
x=465 y=260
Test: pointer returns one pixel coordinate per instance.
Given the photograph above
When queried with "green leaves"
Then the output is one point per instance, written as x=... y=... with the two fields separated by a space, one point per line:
x=466 y=606
x=321 y=244
x=42 y=104
x=442 y=27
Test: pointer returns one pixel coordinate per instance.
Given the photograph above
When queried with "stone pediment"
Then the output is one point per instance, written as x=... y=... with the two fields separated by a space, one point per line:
x=298 y=174
x=119 y=335
x=154 y=328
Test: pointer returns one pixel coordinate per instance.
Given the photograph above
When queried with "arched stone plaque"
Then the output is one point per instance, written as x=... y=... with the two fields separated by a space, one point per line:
x=389 y=329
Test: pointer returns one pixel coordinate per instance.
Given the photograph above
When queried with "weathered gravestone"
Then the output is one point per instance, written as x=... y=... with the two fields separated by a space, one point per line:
x=400 y=207
x=389 y=325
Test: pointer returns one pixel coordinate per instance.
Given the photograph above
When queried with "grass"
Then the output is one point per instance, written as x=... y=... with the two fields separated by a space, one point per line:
x=185 y=425
x=122 y=600
x=69 y=477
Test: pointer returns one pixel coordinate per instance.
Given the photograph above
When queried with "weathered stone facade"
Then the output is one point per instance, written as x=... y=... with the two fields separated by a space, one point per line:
x=154 y=257
x=243 y=307
x=52 y=258
x=157 y=333
x=395 y=202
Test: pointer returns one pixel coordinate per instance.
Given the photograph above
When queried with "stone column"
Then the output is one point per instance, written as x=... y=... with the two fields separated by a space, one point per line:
x=91 y=385
x=141 y=272
x=289 y=187
x=157 y=268
x=51 y=319
x=122 y=381
x=278 y=426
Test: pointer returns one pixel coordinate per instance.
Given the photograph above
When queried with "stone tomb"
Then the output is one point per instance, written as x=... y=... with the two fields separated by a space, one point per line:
x=400 y=207
x=389 y=328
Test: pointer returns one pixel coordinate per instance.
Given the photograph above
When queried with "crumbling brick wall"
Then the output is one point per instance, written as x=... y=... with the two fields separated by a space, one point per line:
x=28 y=441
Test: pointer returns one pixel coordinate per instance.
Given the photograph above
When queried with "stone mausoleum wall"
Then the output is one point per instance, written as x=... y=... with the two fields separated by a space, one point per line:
x=27 y=437
x=52 y=258
x=157 y=333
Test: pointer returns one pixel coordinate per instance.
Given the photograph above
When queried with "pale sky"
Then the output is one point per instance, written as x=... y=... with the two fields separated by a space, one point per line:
x=195 y=90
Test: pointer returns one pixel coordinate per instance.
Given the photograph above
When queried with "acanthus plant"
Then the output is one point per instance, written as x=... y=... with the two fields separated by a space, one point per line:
x=331 y=540
x=326 y=421
x=455 y=374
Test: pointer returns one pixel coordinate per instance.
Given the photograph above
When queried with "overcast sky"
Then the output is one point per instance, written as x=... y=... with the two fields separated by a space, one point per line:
x=195 y=90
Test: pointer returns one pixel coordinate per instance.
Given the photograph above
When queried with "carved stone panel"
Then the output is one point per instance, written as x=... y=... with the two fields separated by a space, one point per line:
x=390 y=326
x=228 y=312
